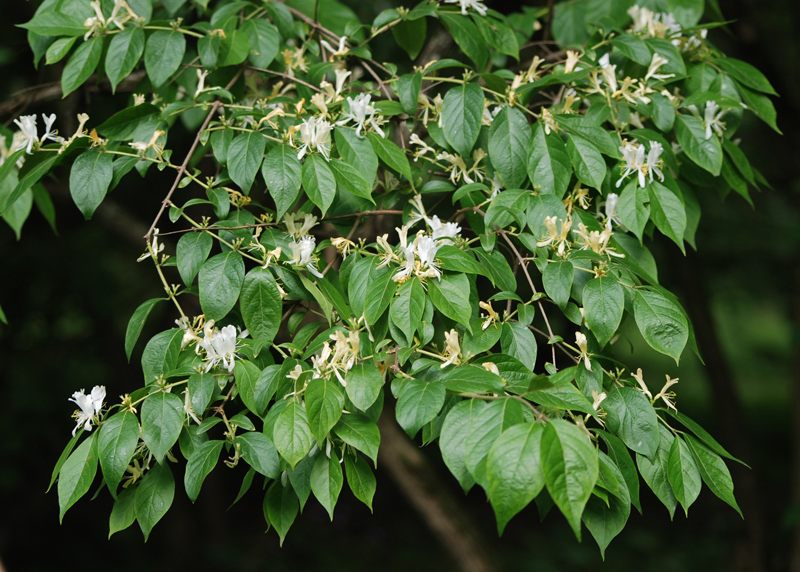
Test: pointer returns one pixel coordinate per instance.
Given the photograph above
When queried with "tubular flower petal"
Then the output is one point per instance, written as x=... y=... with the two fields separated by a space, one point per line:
x=90 y=406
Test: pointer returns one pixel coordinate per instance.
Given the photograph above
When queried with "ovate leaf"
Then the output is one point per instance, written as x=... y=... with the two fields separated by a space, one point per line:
x=462 y=110
x=514 y=471
x=76 y=475
x=89 y=180
x=162 y=419
x=154 y=497
x=221 y=279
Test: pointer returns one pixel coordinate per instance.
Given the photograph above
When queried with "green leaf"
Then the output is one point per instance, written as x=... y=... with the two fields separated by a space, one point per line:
x=557 y=280
x=407 y=88
x=480 y=340
x=282 y=171
x=605 y=521
x=410 y=35
x=509 y=146
x=390 y=154
x=589 y=165
x=264 y=41
x=472 y=379
x=604 y=302
x=89 y=180
x=292 y=434
x=249 y=382
x=761 y=106
x=379 y=293
x=124 y=52
x=356 y=151
x=350 y=179
x=261 y=304
x=260 y=453
x=280 y=508
x=201 y=462
x=468 y=38
x=666 y=49
x=59 y=49
x=632 y=418
x=514 y=471
x=518 y=341
x=160 y=355
x=746 y=74
x=618 y=452
x=76 y=475
x=116 y=444
x=364 y=383
x=326 y=481
x=360 y=432
x=81 y=65
x=654 y=472
x=244 y=158
x=220 y=281
x=569 y=24
x=154 y=497
x=163 y=55
x=668 y=213
x=192 y=251
x=201 y=390
x=706 y=153
x=136 y=323
x=418 y=403
x=506 y=208
x=713 y=471
x=633 y=48
x=55 y=23
x=661 y=322
x=360 y=478
x=324 y=404
x=319 y=182
x=407 y=307
x=450 y=295
x=683 y=474
x=703 y=435
x=663 y=112
x=452 y=440
x=486 y=426
x=462 y=110
x=549 y=165
x=686 y=12
x=162 y=419
x=123 y=125
x=570 y=466
x=633 y=208
x=124 y=512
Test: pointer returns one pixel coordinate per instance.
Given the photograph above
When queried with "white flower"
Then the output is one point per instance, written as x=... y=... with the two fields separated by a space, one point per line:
x=573 y=59
x=90 y=406
x=442 y=232
x=361 y=112
x=27 y=124
x=289 y=220
x=452 y=349
x=302 y=254
x=711 y=120
x=634 y=156
x=426 y=250
x=474 y=4
x=611 y=210
x=220 y=346
x=315 y=134
x=343 y=49
x=408 y=267
x=580 y=340
x=655 y=64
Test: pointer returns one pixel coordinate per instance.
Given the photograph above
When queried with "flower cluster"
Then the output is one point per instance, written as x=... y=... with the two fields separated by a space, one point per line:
x=338 y=360
x=636 y=163
x=90 y=406
x=303 y=245
x=219 y=345
x=419 y=257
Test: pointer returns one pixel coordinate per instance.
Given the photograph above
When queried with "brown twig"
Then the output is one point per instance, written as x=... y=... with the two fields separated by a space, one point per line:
x=182 y=169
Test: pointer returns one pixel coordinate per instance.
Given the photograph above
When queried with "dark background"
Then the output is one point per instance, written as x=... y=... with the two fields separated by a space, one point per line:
x=68 y=299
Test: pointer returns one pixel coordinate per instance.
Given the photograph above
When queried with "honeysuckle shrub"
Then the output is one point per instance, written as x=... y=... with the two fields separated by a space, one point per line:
x=456 y=241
